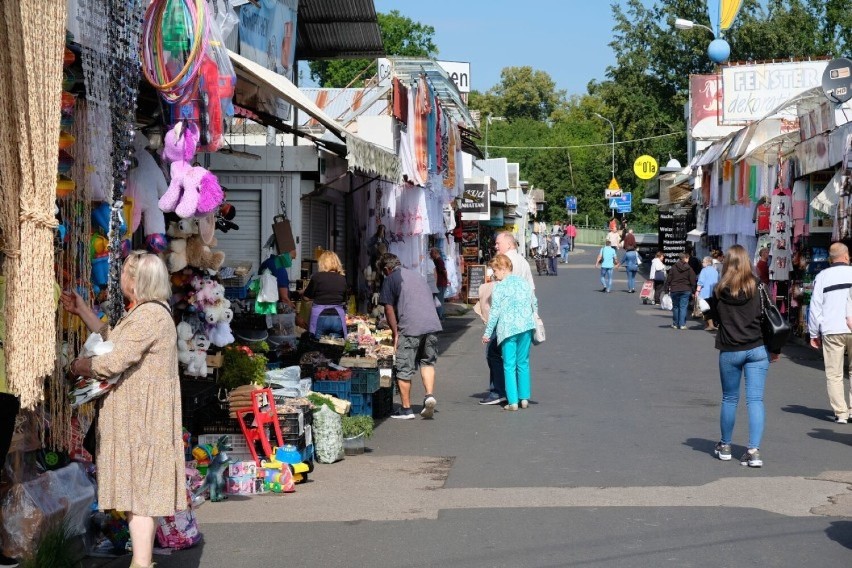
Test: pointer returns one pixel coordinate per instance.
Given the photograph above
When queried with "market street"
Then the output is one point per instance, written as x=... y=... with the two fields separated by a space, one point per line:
x=611 y=465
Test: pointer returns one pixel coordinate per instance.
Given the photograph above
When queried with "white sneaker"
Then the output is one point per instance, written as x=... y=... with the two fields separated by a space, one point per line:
x=429 y=404
x=841 y=420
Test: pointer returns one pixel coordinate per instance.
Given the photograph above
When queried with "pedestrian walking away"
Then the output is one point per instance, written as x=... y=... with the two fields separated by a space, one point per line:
x=442 y=282
x=607 y=261
x=658 y=275
x=735 y=304
x=628 y=242
x=512 y=312
x=828 y=329
x=680 y=283
x=411 y=315
x=552 y=254
x=496 y=386
x=707 y=279
x=631 y=266
x=564 y=247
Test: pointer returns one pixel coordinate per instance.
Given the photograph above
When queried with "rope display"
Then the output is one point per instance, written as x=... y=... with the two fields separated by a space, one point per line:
x=32 y=42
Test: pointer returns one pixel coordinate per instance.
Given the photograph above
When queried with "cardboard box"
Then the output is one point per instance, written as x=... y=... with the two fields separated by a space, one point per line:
x=241 y=485
x=242 y=469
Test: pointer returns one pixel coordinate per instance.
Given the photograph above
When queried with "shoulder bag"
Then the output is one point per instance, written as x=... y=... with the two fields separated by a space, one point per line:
x=776 y=329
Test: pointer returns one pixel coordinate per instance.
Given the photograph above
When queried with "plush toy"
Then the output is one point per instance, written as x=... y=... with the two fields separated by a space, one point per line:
x=184 y=333
x=207 y=227
x=176 y=260
x=198 y=345
x=182 y=229
x=199 y=255
x=221 y=334
x=218 y=318
x=146 y=184
x=215 y=480
x=193 y=190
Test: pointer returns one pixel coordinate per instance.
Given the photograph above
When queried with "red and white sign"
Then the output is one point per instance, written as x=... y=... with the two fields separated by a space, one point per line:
x=705 y=108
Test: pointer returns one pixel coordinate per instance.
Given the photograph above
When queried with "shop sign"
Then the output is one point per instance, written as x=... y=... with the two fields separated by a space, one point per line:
x=750 y=92
x=705 y=108
x=476 y=199
x=672 y=236
x=268 y=37
x=459 y=73
x=645 y=167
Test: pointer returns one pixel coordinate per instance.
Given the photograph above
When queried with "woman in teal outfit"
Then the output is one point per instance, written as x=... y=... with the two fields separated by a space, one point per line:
x=513 y=305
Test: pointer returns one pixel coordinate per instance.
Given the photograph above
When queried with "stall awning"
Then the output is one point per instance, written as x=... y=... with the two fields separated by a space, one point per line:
x=361 y=155
x=408 y=69
x=337 y=29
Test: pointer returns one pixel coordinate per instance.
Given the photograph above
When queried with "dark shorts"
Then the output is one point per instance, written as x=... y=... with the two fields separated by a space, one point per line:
x=413 y=352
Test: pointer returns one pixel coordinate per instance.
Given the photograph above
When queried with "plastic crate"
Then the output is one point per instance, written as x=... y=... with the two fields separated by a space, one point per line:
x=339 y=389
x=246 y=269
x=365 y=381
x=296 y=440
x=238 y=442
x=293 y=423
x=236 y=292
x=382 y=402
x=362 y=405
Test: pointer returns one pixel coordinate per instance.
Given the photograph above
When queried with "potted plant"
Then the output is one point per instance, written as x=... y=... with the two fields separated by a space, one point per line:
x=356 y=429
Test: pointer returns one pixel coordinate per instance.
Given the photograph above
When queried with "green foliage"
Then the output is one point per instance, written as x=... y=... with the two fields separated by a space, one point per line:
x=54 y=549
x=400 y=36
x=318 y=401
x=354 y=425
x=239 y=368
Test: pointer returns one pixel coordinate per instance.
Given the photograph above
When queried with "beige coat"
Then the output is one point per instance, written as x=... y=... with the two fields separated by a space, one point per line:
x=483 y=306
x=140 y=449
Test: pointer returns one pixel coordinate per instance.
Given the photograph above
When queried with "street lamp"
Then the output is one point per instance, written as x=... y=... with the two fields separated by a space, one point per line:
x=613 y=140
x=718 y=51
x=488 y=119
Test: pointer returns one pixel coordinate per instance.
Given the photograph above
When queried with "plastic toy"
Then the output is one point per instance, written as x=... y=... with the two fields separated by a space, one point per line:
x=215 y=478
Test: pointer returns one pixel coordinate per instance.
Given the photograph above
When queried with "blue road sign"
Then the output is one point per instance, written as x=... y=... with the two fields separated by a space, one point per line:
x=571 y=204
x=623 y=204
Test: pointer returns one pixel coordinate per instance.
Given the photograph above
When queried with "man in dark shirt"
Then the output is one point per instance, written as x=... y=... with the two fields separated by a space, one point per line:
x=411 y=315
x=762 y=266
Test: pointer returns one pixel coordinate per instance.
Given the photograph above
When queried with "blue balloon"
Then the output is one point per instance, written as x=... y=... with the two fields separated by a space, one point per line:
x=719 y=50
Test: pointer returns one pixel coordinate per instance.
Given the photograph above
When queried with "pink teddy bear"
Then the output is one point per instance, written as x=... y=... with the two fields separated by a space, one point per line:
x=193 y=190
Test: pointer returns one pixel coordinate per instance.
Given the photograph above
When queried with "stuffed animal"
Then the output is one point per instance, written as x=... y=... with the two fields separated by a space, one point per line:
x=198 y=345
x=215 y=478
x=146 y=184
x=184 y=333
x=218 y=317
x=176 y=260
x=221 y=334
x=199 y=255
x=193 y=190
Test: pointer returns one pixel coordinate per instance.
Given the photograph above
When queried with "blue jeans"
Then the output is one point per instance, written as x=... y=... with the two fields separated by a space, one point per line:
x=631 y=279
x=565 y=250
x=328 y=325
x=516 y=366
x=551 y=265
x=442 y=290
x=680 y=305
x=494 y=357
x=606 y=278
x=754 y=363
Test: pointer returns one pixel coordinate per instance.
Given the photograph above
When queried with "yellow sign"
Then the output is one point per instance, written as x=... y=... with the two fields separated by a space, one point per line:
x=645 y=167
x=613 y=184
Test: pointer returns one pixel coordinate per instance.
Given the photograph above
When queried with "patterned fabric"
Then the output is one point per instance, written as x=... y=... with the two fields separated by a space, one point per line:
x=140 y=447
x=512 y=307
x=422 y=108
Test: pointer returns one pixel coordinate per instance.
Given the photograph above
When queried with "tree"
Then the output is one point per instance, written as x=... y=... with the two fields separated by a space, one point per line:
x=400 y=36
x=523 y=93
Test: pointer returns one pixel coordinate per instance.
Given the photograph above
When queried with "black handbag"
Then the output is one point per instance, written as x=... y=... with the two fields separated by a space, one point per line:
x=776 y=329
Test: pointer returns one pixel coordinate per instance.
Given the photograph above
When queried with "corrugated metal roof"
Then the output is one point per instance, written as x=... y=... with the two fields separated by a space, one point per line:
x=497 y=168
x=408 y=69
x=334 y=29
x=341 y=104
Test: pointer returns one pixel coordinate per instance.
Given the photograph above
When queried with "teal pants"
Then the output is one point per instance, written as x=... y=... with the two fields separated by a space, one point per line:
x=516 y=366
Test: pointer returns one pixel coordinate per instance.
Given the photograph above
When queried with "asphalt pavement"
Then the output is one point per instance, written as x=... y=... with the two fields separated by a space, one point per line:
x=611 y=465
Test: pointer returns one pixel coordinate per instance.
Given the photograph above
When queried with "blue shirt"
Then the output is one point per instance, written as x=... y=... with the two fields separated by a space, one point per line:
x=708 y=279
x=512 y=307
x=608 y=256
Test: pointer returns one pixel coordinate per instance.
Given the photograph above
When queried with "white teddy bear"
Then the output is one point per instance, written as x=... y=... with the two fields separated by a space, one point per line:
x=197 y=366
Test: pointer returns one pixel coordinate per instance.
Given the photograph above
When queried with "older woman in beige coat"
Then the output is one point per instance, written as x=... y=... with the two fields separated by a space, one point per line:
x=139 y=451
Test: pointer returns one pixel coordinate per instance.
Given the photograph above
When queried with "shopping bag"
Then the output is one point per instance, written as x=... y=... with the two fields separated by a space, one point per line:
x=666 y=302
x=539 y=335
x=703 y=305
x=90 y=388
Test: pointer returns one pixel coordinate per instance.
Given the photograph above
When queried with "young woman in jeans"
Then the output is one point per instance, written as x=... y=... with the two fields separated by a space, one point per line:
x=735 y=305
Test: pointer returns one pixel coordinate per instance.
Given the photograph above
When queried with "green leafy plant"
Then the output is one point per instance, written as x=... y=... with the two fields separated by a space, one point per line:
x=54 y=548
x=318 y=401
x=240 y=368
x=355 y=425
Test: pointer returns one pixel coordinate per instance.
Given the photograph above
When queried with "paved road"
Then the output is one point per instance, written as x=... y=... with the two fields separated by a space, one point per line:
x=610 y=466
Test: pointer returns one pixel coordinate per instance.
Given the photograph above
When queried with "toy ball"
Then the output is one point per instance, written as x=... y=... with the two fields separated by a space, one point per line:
x=156 y=243
x=719 y=50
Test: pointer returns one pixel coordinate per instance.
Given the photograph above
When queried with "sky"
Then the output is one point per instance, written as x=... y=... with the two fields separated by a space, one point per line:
x=566 y=38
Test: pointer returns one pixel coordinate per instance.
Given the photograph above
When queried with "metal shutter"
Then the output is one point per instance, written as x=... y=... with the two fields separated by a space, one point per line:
x=245 y=243
x=340 y=238
x=314 y=227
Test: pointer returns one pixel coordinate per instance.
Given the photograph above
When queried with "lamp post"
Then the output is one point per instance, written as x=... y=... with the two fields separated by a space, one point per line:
x=718 y=51
x=613 y=140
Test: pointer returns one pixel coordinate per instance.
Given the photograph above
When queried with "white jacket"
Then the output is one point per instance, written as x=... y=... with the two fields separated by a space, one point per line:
x=656 y=265
x=827 y=312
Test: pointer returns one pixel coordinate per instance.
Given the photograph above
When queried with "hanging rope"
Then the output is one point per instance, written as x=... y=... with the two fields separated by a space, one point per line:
x=32 y=40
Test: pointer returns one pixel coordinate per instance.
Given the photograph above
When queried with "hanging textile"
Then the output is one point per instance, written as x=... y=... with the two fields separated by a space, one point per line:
x=400 y=101
x=431 y=129
x=780 y=231
x=32 y=41
x=450 y=171
x=422 y=108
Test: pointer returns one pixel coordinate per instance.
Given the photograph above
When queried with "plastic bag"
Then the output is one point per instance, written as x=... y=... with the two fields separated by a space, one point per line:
x=703 y=305
x=666 y=302
x=328 y=435
x=90 y=388
x=33 y=506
